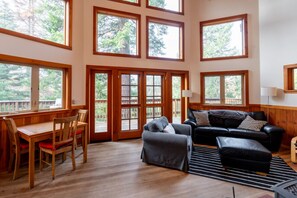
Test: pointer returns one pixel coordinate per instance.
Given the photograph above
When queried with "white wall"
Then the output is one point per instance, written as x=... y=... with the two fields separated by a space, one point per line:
x=212 y=9
x=278 y=46
x=15 y=46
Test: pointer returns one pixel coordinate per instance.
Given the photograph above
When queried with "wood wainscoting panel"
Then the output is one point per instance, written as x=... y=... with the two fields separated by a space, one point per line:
x=26 y=119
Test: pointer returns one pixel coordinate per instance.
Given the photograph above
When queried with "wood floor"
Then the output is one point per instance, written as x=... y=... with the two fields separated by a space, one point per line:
x=114 y=169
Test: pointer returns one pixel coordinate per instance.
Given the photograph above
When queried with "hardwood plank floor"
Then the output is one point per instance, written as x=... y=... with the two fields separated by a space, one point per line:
x=114 y=169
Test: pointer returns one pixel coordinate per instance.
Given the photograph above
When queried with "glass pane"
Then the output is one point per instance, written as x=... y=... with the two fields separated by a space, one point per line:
x=233 y=90
x=149 y=100
x=212 y=89
x=134 y=91
x=125 y=91
x=157 y=91
x=125 y=100
x=125 y=79
x=223 y=40
x=134 y=80
x=125 y=125
x=101 y=104
x=50 y=88
x=15 y=88
x=149 y=112
x=134 y=100
x=148 y=120
x=134 y=113
x=157 y=100
x=38 y=18
x=157 y=80
x=164 y=41
x=149 y=91
x=149 y=80
x=176 y=99
x=157 y=112
x=173 y=5
x=117 y=35
x=134 y=124
x=133 y=1
x=295 y=78
x=125 y=114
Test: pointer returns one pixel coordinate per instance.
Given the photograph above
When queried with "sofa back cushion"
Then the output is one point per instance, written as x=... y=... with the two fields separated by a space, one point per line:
x=258 y=115
x=226 y=118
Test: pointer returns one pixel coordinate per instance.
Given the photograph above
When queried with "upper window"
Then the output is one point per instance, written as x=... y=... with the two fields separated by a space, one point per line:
x=131 y=2
x=224 y=88
x=290 y=78
x=165 y=39
x=39 y=20
x=25 y=87
x=175 y=6
x=224 y=38
x=116 y=33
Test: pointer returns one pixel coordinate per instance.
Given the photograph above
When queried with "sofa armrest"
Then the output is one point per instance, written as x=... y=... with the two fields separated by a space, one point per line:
x=190 y=122
x=275 y=133
x=183 y=129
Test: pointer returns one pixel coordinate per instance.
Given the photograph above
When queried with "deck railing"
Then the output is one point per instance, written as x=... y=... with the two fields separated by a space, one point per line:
x=23 y=105
x=230 y=101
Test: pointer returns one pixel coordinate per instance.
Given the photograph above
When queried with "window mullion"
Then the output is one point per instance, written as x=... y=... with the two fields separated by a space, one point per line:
x=222 y=89
x=35 y=88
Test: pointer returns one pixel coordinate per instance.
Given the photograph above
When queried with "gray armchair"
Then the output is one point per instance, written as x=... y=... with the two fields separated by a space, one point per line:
x=166 y=149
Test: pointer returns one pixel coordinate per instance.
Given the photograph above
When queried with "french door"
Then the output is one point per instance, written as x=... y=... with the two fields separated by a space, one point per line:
x=101 y=96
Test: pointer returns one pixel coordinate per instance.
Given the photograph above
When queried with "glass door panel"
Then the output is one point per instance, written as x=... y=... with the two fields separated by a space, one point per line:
x=176 y=99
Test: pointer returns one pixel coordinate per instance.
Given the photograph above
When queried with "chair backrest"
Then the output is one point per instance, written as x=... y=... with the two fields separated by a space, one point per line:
x=64 y=130
x=82 y=115
x=12 y=131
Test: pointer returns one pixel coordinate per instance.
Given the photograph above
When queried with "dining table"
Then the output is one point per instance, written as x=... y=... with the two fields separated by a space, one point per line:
x=42 y=131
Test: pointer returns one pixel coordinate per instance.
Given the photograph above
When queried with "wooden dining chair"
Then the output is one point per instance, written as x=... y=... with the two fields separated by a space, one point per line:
x=17 y=147
x=63 y=141
x=82 y=117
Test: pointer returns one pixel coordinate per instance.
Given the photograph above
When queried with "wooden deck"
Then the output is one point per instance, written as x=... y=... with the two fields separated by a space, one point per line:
x=114 y=169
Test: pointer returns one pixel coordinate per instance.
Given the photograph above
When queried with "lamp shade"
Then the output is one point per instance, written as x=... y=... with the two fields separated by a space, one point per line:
x=268 y=91
x=187 y=93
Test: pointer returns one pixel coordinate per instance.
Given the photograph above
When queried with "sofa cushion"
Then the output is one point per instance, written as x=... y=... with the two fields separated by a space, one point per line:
x=249 y=134
x=169 y=129
x=251 y=124
x=201 y=118
x=211 y=131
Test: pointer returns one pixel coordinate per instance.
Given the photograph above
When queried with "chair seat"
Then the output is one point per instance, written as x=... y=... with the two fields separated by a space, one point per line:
x=24 y=146
x=79 y=131
x=48 y=144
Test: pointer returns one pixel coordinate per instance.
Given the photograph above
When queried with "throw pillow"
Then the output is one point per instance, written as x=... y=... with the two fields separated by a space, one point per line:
x=155 y=126
x=251 y=124
x=169 y=129
x=201 y=118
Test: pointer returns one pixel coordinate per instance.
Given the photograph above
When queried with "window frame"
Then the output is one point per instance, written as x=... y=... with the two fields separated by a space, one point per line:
x=178 y=24
x=222 y=74
x=129 y=3
x=33 y=63
x=289 y=78
x=242 y=17
x=67 y=31
x=181 y=12
x=116 y=13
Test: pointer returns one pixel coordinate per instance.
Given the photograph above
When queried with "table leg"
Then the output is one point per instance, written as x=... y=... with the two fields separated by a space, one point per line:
x=31 y=163
x=85 y=143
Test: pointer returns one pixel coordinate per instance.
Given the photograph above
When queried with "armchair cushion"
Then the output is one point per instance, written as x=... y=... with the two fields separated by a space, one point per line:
x=169 y=129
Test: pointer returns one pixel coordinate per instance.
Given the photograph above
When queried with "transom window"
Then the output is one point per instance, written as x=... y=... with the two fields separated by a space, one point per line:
x=39 y=20
x=224 y=38
x=165 y=39
x=224 y=88
x=175 y=6
x=25 y=87
x=116 y=33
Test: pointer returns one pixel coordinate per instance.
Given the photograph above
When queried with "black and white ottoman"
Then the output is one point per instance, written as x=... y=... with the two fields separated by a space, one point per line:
x=244 y=154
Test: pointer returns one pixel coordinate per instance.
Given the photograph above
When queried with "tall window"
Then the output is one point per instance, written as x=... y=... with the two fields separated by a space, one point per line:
x=26 y=87
x=165 y=39
x=224 y=88
x=131 y=2
x=175 y=6
x=116 y=33
x=290 y=78
x=39 y=20
x=224 y=38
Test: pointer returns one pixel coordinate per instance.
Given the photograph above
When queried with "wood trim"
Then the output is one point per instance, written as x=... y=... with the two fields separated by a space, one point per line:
x=178 y=24
x=129 y=3
x=181 y=12
x=67 y=33
x=116 y=13
x=243 y=17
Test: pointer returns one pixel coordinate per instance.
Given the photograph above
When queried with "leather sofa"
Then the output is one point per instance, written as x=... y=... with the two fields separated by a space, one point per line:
x=225 y=123
x=166 y=149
